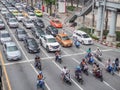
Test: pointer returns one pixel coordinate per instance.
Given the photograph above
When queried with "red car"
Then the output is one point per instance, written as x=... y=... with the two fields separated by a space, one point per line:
x=56 y=23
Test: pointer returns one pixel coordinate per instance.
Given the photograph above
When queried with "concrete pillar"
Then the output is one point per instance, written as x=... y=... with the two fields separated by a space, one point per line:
x=111 y=37
x=99 y=21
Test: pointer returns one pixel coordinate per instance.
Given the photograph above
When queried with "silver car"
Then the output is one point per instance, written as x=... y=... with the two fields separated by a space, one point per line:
x=4 y=11
x=28 y=23
x=4 y=36
x=20 y=17
x=2 y=25
x=32 y=16
x=12 y=22
x=11 y=51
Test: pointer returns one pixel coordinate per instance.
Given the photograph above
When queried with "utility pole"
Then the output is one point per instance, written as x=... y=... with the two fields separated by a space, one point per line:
x=103 y=18
x=106 y=20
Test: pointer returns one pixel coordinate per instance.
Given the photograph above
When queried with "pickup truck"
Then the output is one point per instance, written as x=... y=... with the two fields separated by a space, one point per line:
x=50 y=43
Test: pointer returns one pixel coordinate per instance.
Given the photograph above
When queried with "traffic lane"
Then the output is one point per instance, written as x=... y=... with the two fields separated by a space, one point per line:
x=22 y=76
x=53 y=76
x=108 y=78
x=90 y=82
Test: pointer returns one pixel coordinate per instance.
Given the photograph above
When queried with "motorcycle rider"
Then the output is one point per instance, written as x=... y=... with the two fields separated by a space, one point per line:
x=40 y=79
x=77 y=43
x=98 y=52
x=65 y=72
x=83 y=65
x=57 y=53
x=117 y=64
x=78 y=72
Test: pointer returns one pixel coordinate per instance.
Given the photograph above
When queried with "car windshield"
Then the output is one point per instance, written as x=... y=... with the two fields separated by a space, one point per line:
x=29 y=21
x=57 y=21
x=5 y=35
x=38 y=12
x=65 y=38
x=22 y=32
x=3 y=10
x=12 y=20
x=1 y=22
x=12 y=48
x=32 y=14
x=20 y=15
x=51 y=40
x=15 y=11
x=32 y=42
x=85 y=36
x=54 y=29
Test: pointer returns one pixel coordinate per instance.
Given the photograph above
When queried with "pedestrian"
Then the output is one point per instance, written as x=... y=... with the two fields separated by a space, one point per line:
x=43 y=8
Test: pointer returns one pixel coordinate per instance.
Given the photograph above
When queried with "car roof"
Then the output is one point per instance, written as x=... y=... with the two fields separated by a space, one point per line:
x=62 y=34
x=78 y=31
x=48 y=36
x=20 y=29
x=10 y=43
x=4 y=31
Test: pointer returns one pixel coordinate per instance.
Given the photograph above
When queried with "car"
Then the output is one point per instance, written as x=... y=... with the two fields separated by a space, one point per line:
x=19 y=17
x=83 y=37
x=24 y=12
x=11 y=9
x=31 y=45
x=38 y=13
x=50 y=43
x=21 y=34
x=28 y=23
x=11 y=51
x=64 y=40
x=15 y=12
x=37 y=32
x=12 y=22
x=23 y=5
x=39 y=23
x=20 y=9
x=31 y=16
x=4 y=11
x=51 y=30
x=2 y=25
x=5 y=36
x=17 y=5
x=56 y=23
x=8 y=15
x=30 y=8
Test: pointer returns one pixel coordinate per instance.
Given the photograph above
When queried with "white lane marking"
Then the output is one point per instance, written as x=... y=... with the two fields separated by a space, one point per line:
x=30 y=60
x=71 y=78
x=91 y=73
x=23 y=51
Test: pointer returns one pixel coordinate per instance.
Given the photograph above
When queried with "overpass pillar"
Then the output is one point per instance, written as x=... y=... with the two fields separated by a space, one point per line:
x=111 y=37
x=99 y=21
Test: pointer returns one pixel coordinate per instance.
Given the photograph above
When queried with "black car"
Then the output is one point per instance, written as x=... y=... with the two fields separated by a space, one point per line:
x=39 y=23
x=21 y=34
x=31 y=45
x=37 y=32
x=51 y=30
x=30 y=8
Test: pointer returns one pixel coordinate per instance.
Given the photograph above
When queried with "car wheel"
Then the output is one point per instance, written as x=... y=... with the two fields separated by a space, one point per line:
x=47 y=49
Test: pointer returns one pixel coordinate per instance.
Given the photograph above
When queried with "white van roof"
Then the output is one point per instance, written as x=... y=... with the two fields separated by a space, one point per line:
x=79 y=31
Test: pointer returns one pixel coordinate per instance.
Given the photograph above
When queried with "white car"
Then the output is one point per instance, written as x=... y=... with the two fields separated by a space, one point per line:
x=4 y=36
x=83 y=37
x=20 y=17
x=32 y=16
x=12 y=22
x=50 y=43
x=11 y=51
x=11 y=9
x=4 y=11
x=28 y=23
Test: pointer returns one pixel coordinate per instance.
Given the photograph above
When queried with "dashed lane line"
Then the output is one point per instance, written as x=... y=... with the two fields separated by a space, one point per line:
x=91 y=73
x=5 y=72
x=23 y=51
x=71 y=78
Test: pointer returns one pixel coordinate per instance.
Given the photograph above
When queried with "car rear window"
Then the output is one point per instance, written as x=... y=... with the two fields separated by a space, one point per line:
x=12 y=48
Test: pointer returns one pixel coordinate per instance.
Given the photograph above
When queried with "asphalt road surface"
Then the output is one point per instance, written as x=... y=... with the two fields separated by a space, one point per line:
x=23 y=75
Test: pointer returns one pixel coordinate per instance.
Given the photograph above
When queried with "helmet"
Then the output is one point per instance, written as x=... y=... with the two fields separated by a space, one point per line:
x=78 y=67
x=40 y=72
x=65 y=67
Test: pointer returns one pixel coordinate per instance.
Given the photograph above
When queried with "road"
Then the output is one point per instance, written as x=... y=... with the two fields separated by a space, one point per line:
x=22 y=74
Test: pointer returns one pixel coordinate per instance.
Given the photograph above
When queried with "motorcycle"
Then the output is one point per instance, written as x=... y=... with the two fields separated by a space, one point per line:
x=78 y=77
x=98 y=57
x=38 y=65
x=41 y=84
x=59 y=59
x=110 y=69
x=77 y=44
x=98 y=74
x=67 y=79
x=85 y=69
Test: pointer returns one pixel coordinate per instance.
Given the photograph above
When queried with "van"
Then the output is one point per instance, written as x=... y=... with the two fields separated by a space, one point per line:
x=83 y=37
